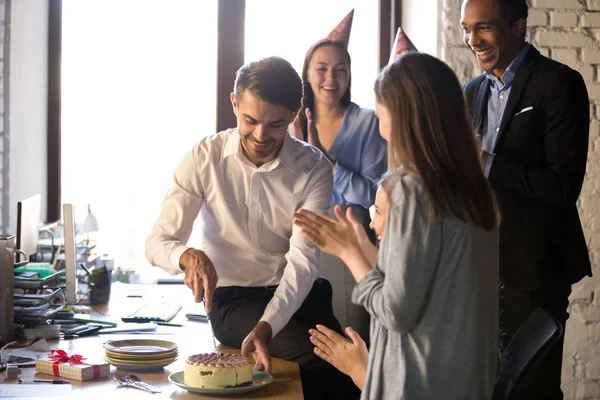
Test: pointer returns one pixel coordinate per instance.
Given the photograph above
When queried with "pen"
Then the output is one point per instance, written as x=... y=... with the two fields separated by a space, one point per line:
x=69 y=336
x=95 y=321
x=66 y=322
x=167 y=324
x=89 y=331
x=52 y=381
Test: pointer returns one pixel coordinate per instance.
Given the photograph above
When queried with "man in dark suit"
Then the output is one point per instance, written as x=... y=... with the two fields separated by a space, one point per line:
x=532 y=119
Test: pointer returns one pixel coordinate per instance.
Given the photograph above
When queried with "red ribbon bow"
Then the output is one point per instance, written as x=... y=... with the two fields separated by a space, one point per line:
x=61 y=356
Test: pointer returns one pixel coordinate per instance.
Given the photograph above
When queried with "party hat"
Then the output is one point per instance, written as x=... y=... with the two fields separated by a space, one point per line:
x=341 y=33
x=402 y=44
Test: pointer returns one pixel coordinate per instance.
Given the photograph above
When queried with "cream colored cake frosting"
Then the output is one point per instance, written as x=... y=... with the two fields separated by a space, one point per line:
x=215 y=370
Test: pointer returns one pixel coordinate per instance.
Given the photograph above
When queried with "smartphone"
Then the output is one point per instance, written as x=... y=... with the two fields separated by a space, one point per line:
x=197 y=317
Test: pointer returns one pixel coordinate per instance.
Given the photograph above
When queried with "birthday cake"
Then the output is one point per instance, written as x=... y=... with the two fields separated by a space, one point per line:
x=217 y=370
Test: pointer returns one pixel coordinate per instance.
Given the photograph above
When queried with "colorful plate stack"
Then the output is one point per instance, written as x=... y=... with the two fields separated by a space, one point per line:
x=140 y=354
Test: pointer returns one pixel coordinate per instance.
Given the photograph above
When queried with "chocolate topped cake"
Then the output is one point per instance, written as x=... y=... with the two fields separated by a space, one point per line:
x=215 y=370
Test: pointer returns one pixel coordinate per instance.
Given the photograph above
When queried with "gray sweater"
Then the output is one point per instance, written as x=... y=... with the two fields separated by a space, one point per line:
x=433 y=299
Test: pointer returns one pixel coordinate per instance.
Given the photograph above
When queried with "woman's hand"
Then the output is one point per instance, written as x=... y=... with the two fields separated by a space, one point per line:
x=331 y=236
x=349 y=356
x=295 y=130
x=313 y=135
x=338 y=238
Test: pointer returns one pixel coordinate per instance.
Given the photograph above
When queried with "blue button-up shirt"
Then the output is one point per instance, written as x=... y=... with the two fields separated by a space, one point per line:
x=499 y=92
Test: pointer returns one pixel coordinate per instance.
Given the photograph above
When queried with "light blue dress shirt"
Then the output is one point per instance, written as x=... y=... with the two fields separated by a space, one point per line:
x=499 y=92
x=360 y=155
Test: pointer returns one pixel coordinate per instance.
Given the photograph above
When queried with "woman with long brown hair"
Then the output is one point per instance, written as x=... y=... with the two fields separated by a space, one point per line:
x=432 y=289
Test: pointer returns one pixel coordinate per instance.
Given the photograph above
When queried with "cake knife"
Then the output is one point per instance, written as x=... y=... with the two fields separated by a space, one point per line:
x=212 y=331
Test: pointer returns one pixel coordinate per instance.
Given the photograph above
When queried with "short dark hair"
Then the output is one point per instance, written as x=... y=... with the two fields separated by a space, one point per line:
x=273 y=80
x=514 y=10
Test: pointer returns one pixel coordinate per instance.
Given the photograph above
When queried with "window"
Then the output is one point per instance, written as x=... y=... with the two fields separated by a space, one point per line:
x=299 y=27
x=139 y=87
x=138 y=90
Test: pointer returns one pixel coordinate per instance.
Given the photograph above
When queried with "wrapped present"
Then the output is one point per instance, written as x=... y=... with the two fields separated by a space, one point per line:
x=59 y=363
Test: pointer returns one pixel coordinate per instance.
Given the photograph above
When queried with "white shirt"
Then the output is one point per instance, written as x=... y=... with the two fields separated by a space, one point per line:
x=246 y=211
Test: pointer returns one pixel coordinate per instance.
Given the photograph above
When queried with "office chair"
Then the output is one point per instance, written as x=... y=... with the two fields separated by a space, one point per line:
x=524 y=353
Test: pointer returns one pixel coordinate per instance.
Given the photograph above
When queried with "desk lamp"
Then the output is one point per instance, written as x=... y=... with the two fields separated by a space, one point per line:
x=89 y=225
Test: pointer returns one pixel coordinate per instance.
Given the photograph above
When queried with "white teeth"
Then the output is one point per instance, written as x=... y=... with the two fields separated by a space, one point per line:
x=484 y=52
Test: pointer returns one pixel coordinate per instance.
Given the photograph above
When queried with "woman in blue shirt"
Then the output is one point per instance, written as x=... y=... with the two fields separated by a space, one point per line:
x=349 y=136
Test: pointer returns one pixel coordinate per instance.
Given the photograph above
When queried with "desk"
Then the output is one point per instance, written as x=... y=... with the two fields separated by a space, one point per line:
x=193 y=338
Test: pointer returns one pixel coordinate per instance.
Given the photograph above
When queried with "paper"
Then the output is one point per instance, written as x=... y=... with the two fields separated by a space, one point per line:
x=27 y=354
x=19 y=390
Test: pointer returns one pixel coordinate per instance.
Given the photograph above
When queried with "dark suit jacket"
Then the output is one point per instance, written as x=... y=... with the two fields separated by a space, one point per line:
x=538 y=171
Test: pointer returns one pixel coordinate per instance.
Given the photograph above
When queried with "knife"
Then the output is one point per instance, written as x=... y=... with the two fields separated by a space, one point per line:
x=212 y=331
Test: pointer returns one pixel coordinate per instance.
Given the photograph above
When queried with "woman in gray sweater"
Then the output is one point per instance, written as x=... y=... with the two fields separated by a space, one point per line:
x=432 y=289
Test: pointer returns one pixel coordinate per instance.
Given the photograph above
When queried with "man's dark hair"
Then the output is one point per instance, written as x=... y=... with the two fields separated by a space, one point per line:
x=514 y=10
x=273 y=80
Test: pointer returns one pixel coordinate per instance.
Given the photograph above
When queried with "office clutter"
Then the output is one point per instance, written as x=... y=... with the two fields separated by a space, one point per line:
x=32 y=293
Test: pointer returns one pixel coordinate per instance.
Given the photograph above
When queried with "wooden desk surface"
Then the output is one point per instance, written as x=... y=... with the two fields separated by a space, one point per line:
x=193 y=338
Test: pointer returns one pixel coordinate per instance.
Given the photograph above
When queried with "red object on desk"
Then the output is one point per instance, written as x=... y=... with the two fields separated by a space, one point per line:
x=61 y=356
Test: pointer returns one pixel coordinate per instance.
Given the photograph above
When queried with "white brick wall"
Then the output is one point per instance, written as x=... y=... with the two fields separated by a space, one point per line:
x=538 y=18
x=558 y=4
x=563 y=19
x=568 y=31
x=593 y=5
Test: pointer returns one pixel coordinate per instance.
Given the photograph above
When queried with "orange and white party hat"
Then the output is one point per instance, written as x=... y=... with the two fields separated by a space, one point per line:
x=402 y=44
x=341 y=33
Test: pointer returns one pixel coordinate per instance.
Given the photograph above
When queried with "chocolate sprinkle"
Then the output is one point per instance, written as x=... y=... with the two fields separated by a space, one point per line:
x=218 y=359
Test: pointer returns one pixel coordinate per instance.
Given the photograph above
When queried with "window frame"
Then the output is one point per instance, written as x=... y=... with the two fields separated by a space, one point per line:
x=230 y=56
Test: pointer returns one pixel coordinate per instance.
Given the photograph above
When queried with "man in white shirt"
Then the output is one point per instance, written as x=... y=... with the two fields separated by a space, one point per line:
x=255 y=271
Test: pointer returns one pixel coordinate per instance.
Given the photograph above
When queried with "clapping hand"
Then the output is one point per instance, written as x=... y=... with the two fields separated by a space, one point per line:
x=313 y=135
x=331 y=236
x=295 y=129
x=350 y=356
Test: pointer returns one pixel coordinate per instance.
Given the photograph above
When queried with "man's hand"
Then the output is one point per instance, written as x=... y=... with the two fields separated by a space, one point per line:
x=200 y=276
x=256 y=343
x=349 y=356
x=483 y=155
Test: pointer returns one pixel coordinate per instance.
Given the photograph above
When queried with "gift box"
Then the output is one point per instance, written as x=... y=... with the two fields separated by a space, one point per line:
x=59 y=363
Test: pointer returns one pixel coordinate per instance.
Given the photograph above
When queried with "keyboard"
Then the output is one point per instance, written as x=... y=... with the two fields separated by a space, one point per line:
x=154 y=311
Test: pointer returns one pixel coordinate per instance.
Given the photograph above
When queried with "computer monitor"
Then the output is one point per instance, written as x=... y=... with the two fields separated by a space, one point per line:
x=70 y=252
x=28 y=226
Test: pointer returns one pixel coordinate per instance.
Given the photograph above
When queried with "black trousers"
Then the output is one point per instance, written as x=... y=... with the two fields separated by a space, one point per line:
x=357 y=316
x=515 y=307
x=236 y=310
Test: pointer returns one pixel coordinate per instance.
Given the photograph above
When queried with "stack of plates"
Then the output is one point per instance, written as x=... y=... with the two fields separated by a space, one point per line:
x=140 y=354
